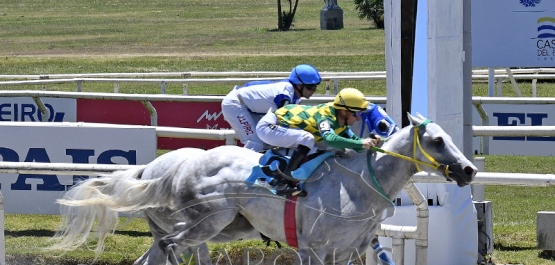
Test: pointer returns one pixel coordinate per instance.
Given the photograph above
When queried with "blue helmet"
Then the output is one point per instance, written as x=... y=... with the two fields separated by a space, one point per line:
x=305 y=74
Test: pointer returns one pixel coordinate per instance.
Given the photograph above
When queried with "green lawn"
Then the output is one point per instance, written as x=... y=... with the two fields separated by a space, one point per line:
x=66 y=36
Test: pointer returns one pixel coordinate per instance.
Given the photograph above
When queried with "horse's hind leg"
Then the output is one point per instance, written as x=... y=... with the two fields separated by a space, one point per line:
x=158 y=221
x=194 y=234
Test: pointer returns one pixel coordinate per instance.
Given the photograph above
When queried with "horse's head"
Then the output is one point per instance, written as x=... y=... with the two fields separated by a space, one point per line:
x=435 y=147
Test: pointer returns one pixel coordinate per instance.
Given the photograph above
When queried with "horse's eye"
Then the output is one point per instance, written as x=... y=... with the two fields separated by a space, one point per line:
x=438 y=141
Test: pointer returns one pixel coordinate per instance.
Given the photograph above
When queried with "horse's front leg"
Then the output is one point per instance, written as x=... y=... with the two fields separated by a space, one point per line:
x=187 y=236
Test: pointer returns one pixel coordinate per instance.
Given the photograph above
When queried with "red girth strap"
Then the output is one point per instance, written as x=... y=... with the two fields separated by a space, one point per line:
x=290 y=221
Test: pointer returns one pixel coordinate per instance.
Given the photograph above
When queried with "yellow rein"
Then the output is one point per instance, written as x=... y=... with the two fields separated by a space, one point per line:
x=416 y=142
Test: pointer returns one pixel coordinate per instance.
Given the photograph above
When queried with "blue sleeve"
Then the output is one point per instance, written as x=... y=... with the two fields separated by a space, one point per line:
x=378 y=122
x=282 y=100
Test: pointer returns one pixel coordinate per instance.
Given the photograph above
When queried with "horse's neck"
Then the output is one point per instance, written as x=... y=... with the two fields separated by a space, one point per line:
x=392 y=173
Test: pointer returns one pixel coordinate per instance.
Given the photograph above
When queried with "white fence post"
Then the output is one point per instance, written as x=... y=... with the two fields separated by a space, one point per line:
x=2 y=236
x=479 y=190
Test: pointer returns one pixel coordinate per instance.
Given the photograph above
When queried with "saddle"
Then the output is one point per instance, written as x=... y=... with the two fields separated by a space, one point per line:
x=272 y=164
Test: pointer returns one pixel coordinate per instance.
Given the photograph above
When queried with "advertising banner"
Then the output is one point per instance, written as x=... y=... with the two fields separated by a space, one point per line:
x=62 y=143
x=519 y=115
x=25 y=109
x=200 y=115
x=513 y=33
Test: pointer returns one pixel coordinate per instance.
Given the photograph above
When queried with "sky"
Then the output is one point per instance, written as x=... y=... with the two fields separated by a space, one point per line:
x=420 y=72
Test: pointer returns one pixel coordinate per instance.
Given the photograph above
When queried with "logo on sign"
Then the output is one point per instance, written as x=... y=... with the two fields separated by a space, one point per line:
x=546 y=39
x=27 y=112
x=530 y=3
x=516 y=119
x=79 y=156
x=209 y=117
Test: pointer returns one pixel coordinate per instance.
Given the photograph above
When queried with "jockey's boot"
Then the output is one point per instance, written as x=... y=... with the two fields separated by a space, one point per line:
x=287 y=187
x=297 y=158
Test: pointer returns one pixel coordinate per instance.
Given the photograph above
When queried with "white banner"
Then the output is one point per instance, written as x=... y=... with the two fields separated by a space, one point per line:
x=519 y=115
x=513 y=33
x=25 y=109
x=64 y=143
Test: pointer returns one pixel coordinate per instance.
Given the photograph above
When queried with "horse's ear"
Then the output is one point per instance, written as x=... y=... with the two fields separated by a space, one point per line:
x=415 y=121
x=420 y=116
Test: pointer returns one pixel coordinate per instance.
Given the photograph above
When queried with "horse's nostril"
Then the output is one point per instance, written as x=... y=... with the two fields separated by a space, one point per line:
x=469 y=171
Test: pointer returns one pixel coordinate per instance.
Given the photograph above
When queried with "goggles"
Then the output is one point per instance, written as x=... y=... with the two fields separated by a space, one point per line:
x=357 y=113
x=310 y=87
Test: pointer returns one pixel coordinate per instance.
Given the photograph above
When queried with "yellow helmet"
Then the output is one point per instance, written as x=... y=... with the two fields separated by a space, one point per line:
x=350 y=99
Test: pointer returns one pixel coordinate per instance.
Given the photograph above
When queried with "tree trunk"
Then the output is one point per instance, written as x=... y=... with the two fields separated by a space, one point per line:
x=285 y=20
x=280 y=17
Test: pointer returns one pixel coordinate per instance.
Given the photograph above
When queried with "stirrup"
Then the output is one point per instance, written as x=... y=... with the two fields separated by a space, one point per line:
x=294 y=191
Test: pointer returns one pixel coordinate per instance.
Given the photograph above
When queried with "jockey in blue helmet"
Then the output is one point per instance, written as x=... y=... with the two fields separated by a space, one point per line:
x=306 y=76
x=243 y=107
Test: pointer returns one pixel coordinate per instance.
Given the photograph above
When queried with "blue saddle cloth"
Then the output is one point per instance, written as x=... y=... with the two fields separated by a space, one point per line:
x=273 y=160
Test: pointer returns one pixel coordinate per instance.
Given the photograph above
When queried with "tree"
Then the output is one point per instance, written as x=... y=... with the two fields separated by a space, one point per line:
x=371 y=10
x=285 y=20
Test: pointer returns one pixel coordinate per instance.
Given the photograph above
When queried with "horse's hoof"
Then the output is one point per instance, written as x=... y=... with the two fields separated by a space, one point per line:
x=166 y=244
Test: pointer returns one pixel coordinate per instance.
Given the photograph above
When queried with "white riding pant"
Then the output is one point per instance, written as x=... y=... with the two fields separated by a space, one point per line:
x=242 y=121
x=269 y=131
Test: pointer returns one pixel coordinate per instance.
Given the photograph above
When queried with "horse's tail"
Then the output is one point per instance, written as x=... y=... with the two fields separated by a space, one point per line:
x=102 y=198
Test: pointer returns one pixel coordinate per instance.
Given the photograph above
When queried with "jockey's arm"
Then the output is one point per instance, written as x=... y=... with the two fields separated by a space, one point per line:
x=336 y=141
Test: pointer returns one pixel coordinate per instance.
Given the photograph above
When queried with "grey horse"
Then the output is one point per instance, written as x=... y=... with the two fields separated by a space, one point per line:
x=204 y=195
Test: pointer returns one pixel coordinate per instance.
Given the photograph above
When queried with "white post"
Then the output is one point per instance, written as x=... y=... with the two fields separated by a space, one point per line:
x=2 y=236
x=392 y=20
x=479 y=190
x=491 y=82
x=446 y=97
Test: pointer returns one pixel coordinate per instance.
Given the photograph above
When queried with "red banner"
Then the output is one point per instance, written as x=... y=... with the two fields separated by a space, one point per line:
x=201 y=115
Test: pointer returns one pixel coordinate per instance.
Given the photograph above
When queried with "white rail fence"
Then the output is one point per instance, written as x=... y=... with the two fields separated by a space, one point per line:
x=399 y=233
x=334 y=77
x=146 y=100
x=185 y=78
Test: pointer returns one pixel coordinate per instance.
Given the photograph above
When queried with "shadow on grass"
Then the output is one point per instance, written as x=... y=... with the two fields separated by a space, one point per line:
x=133 y=233
x=501 y=247
x=32 y=232
x=547 y=254
x=50 y=233
x=372 y=28
x=292 y=30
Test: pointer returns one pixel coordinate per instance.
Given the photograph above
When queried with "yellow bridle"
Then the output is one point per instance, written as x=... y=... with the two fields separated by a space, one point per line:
x=416 y=143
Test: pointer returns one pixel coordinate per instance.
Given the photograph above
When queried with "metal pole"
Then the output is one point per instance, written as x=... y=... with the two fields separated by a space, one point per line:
x=2 y=236
x=152 y=111
x=491 y=82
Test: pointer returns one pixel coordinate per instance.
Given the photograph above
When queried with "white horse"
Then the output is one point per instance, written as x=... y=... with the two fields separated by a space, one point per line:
x=203 y=196
x=159 y=219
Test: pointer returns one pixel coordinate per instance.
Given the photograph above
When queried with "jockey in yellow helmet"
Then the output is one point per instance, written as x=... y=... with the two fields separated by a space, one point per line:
x=301 y=126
